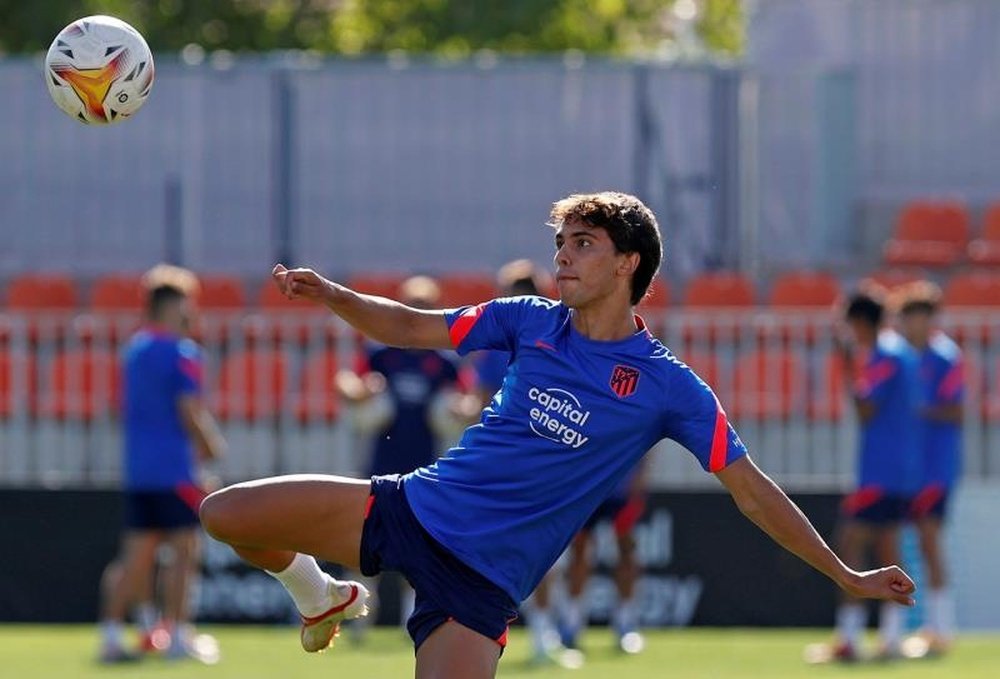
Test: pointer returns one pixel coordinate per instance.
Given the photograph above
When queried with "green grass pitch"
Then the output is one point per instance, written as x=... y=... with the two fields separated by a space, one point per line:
x=61 y=652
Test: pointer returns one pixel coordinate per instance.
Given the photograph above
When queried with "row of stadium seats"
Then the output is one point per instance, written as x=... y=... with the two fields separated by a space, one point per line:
x=258 y=385
x=121 y=293
x=938 y=234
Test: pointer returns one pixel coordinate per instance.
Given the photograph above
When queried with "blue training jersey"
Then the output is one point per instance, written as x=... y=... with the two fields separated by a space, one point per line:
x=891 y=440
x=414 y=377
x=943 y=384
x=158 y=369
x=573 y=417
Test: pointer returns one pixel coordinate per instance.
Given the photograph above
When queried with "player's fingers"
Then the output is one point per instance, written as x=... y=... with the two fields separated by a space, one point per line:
x=903 y=599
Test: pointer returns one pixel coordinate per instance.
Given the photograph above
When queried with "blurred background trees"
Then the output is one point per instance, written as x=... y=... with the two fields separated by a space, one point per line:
x=446 y=28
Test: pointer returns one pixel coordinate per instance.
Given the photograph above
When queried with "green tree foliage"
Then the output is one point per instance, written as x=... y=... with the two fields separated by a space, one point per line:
x=450 y=28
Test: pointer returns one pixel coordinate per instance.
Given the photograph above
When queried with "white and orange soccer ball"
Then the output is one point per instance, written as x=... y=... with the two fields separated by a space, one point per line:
x=99 y=70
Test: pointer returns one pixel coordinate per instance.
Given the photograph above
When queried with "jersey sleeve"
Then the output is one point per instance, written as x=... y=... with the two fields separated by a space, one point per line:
x=874 y=382
x=490 y=325
x=189 y=369
x=949 y=387
x=697 y=421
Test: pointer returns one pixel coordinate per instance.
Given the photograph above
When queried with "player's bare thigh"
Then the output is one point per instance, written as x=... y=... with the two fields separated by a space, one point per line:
x=454 y=651
x=314 y=514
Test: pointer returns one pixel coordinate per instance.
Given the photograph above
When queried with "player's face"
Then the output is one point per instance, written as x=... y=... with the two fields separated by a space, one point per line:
x=916 y=327
x=588 y=268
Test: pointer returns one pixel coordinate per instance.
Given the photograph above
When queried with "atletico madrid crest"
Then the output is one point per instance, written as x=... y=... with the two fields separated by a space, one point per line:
x=624 y=380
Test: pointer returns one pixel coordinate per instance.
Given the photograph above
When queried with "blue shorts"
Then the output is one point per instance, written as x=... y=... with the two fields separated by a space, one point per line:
x=446 y=589
x=872 y=505
x=931 y=502
x=623 y=512
x=163 y=509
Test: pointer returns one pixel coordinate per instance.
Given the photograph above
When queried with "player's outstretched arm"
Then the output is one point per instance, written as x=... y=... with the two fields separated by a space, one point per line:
x=381 y=319
x=764 y=503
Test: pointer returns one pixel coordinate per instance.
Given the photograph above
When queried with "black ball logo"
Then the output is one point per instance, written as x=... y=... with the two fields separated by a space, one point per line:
x=122 y=98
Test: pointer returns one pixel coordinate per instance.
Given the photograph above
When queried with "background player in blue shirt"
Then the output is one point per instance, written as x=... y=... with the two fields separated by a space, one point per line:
x=587 y=393
x=941 y=375
x=166 y=430
x=882 y=368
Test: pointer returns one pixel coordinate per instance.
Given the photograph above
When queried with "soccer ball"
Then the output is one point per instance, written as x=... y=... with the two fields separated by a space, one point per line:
x=99 y=70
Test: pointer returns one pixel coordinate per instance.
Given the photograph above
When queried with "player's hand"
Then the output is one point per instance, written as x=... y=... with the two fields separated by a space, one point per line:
x=299 y=283
x=883 y=583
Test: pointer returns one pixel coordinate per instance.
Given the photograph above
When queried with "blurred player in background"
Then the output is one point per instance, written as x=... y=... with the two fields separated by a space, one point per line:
x=941 y=415
x=405 y=397
x=624 y=508
x=587 y=393
x=882 y=370
x=167 y=430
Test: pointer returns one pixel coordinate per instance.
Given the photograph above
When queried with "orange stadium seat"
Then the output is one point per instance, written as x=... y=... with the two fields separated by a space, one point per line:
x=768 y=384
x=81 y=385
x=986 y=249
x=805 y=289
x=827 y=392
x=991 y=397
x=458 y=289
x=42 y=292
x=381 y=284
x=720 y=289
x=221 y=293
x=973 y=289
x=318 y=397
x=17 y=367
x=117 y=293
x=929 y=234
x=252 y=385
x=658 y=296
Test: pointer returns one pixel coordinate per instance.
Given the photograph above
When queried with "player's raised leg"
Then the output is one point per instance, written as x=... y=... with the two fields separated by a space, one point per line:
x=280 y=524
x=454 y=651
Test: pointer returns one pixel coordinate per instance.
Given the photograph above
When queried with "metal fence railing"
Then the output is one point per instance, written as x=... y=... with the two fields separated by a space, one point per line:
x=268 y=379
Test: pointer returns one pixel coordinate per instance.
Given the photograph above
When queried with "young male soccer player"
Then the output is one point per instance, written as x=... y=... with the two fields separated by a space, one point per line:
x=886 y=392
x=941 y=417
x=166 y=425
x=587 y=393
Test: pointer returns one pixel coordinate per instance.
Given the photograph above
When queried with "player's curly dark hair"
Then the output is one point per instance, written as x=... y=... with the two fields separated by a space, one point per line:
x=867 y=303
x=630 y=224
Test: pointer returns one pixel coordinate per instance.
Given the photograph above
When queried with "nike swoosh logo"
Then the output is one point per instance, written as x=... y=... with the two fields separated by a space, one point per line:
x=544 y=345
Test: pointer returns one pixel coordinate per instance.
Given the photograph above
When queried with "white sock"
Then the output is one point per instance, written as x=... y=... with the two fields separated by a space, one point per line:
x=146 y=616
x=112 y=632
x=543 y=634
x=307 y=585
x=850 y=622
x=890 y=623
x=626 y=617
x=573 y=614
x=941 y=613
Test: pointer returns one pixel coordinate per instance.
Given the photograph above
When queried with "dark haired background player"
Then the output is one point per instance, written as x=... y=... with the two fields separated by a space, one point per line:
x=941 y=415
x=883 y=377
x=624 y=508
x=167 y=429
x=588 y=391
x=414 y=381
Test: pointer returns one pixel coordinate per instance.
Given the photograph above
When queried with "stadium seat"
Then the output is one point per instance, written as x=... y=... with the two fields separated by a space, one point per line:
x=221 y=293
x=986 y=249
x=81 y=384
x=827 y=392
x=18 y=383
x=768 y=385
x=459 y=289
x=117 y=293
x=251 y=385
x=381 y=284
x=42 y=292
x=719 y=289
x=658 y=296
x=929 y=233
x=317 y=398
x=973 y=289
x=805 y=300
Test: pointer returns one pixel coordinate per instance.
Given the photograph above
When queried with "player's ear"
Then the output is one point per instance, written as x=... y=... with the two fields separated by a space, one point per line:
x=628 y=264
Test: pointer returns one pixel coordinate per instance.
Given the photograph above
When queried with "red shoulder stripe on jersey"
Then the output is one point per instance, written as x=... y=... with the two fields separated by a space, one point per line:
x=951 y=384
x=464 y=323
x=874 y=375
x=720 y=440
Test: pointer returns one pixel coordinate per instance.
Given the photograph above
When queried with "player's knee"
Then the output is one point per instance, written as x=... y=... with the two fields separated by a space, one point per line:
x=218 y=512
